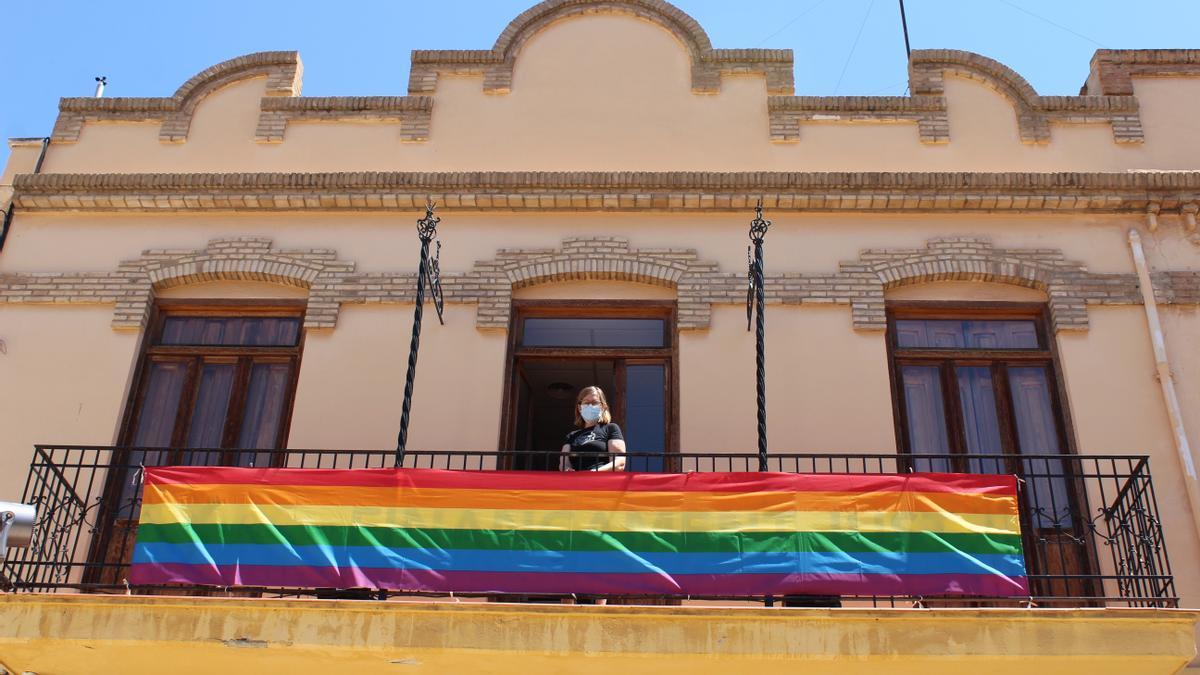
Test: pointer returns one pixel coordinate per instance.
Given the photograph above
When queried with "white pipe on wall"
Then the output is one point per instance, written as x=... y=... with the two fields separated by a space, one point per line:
x=1187 y=460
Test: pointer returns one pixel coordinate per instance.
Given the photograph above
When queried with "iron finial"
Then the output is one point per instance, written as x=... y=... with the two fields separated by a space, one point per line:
x=427 y=226
x=758 y=226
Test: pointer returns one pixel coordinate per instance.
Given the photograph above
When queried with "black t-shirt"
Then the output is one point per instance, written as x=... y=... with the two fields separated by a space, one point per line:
x=589 y=447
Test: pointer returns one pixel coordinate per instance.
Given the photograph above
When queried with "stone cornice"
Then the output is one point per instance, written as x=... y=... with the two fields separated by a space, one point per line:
x=609 y=191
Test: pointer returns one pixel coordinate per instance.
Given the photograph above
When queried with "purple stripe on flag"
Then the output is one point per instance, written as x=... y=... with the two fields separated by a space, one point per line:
x=990 y=585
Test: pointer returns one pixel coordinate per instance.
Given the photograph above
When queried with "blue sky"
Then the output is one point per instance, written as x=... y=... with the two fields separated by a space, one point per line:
x=849 y=47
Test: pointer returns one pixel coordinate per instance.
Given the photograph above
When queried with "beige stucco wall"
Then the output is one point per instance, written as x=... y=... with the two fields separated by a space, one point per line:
x=21 y=159
x=579 y=104
x=352 y=382
x=827 y=387
x=64 y=374
x=1117 y=409
x=809 y=242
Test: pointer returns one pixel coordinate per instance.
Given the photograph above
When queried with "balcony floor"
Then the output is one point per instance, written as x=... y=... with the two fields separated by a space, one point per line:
x=67 y=634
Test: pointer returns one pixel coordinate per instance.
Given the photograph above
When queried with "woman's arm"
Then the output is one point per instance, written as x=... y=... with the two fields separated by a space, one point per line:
x=616 y=447
x=564 y=462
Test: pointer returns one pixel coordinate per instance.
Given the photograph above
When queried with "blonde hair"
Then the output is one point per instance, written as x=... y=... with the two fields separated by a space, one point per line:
x=605 y=415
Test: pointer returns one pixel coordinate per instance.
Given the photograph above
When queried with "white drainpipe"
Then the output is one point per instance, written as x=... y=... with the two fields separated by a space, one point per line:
x=1187 y=460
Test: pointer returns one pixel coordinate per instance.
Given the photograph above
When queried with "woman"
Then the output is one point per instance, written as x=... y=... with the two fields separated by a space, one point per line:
x=597 y=445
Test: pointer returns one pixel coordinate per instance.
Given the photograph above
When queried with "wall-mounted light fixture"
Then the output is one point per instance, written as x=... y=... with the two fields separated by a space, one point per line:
x=16 y=526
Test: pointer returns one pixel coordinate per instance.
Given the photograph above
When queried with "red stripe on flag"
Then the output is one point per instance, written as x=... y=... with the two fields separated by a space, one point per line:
x=617 y=481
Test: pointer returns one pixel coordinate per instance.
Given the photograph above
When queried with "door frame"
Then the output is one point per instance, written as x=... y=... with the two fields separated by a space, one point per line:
x=623 y=309
x=946 y=360
x=147 y=349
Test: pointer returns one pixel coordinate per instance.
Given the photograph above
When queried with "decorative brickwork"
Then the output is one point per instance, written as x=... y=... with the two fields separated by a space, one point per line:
x=282 y=70
x=914 y=192
x=496 y=65
x=927 y=69
x=1110 y=87
x=131 y=287
x=412 y=112
x=1113 y=70
x=699 y=284
x=971 y=259
x=490 y=283
x=787 y=113
x=594 y=258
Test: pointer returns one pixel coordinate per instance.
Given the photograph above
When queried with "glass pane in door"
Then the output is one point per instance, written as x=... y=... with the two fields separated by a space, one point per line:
x=155 y=424
x=1037 y=434
x=645 y=416
x=264 y=411
x=966 y=334
x=543 y=332
x=925 y=410
x=207 y=425
x=981 y=423
x=231 y=331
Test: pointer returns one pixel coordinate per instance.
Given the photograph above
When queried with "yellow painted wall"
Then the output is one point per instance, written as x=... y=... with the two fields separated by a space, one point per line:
x=93 y=635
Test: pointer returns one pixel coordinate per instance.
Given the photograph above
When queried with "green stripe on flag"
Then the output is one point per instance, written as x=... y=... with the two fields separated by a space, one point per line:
x=564 y=540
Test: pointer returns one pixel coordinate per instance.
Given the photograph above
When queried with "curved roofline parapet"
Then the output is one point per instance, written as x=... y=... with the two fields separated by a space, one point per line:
x=283 y=71
x=927 y=69
x=708 y=64
x=1108 y=93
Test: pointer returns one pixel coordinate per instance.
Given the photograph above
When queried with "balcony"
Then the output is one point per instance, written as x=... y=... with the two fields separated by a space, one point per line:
x=1102 y=600
x=1092 y=532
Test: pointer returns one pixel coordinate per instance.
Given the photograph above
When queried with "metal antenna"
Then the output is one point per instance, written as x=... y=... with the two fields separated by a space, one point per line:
x=904 y=25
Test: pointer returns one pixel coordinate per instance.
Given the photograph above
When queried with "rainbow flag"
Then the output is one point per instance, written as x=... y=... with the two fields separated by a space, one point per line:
x=723 y=534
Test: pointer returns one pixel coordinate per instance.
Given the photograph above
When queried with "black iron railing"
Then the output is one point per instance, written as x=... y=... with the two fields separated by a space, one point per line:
x=1093 y=535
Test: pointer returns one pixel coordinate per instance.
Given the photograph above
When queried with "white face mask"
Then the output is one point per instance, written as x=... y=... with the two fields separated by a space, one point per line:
x=590 y=412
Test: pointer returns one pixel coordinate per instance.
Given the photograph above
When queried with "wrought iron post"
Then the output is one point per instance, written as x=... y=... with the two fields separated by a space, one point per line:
x=755 y=301
x=429 y=272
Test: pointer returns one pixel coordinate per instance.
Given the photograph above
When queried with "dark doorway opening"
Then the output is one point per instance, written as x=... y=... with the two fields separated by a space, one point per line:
x=557 y=348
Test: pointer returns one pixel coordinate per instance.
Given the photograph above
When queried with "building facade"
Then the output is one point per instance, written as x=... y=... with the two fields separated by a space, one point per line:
x=955 y=280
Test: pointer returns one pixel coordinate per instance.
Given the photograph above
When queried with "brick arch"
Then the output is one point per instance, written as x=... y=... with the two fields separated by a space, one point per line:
x=231 y=259
x=610 y=267
x=282 y=69
x=590 y=259
x=685 y=29
x=935 y=268
x=977 y=67
x=971 y=259
x=174 y=113
x=204 y=268
x=927 y=68
x=536 y=18
x=496 y=65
